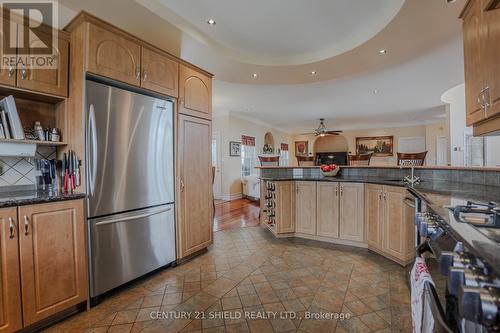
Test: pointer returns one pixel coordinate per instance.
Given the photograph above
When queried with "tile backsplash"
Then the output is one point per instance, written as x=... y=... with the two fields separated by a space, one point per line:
x=18 y=171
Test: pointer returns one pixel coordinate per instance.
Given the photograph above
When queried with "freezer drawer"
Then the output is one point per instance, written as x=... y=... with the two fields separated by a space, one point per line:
x=126 y=246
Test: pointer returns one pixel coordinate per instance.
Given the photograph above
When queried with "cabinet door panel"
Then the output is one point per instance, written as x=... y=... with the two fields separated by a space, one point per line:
x=159 y=73
x=113 y=56
x=53 y=258
x=10 y=289
x=7 y=75
x=352 y=212
x=195 y=183
x=305 y=207
x=474 y=78
x=374 y=215
x=286 y=204
x=50 y=81
x=195 y=93
x=491 y=19
x=328 y=209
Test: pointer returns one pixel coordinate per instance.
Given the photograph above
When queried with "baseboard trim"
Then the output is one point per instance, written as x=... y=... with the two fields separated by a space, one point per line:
x=232 y=196
x=332 y=240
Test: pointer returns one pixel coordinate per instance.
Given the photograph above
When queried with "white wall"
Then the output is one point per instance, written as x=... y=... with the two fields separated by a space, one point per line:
x=432 y=132
x=231 y=128
x=350 y=136
x=455 y=97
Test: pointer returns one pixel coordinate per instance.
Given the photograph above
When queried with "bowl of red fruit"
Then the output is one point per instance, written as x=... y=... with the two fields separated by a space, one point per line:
x=329 y=170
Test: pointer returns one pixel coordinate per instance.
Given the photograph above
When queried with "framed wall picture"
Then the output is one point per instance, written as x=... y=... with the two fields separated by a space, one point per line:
x=234 y=148
x=377 y=145
x=301 y=148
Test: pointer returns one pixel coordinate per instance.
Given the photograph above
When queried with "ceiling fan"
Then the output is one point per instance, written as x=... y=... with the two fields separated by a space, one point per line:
x=322 y=130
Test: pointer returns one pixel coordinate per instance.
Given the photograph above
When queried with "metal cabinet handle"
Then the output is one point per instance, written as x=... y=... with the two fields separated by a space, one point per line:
x=26 y=225
x=341 y=190
x=486 y=97
x=12 y=228
x=145 y=75
x=137 y=72
x=182 y=185
x=11 y=71
x=24 y=72
x=380 y=195
x=337 y=191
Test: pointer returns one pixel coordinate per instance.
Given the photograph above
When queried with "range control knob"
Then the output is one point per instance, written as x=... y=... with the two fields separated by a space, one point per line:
x=456 y=280
x=445 y=262
x=469 y=303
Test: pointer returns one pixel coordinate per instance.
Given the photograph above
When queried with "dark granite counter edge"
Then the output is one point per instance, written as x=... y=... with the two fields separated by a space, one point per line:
x=39 y=200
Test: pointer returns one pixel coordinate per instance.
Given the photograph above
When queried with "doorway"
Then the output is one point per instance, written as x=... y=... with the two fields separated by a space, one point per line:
x=441 y=150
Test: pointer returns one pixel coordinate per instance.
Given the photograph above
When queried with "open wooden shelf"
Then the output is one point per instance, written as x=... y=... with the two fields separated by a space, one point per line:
x=37 y=142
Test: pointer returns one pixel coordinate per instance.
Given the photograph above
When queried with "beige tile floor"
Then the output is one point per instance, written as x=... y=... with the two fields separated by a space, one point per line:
x=247 y=274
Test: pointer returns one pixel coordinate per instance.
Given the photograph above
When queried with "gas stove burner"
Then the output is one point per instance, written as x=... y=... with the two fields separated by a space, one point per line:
x=478 y=214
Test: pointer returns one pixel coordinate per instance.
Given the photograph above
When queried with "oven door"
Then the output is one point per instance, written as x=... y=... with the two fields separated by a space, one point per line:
x=443 y=306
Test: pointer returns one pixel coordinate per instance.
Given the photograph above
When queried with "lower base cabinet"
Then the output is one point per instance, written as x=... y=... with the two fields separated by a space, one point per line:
x=49 y=242
x=390 y=229
x=305 y=207
x=352 y=217
x=10 y=287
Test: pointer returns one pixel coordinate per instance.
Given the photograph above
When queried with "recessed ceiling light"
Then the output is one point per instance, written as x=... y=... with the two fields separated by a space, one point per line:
x=211 y=21
x=383 y=51
x=375 y=91
x=254 y=75
x=313 y=73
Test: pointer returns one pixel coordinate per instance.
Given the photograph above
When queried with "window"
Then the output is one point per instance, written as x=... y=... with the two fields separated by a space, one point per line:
x=284 y=154
x=248 y=156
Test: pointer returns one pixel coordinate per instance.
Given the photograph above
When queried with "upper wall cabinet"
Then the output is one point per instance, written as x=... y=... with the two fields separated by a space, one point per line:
x=7 y=75
x=113 y=56
x=159 y=72
x=43 y=80
x=195 y=93
x=481 y=28
x=50 y=81
x=124 y=59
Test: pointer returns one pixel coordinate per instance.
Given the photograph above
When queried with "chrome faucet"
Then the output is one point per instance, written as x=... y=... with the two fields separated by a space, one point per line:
x=412 y=180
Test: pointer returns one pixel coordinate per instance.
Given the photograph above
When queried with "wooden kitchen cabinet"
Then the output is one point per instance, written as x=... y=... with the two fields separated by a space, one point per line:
x=49 y=81
x=327 y=209
x=305 y=207
x=481 y=31
x=194 y=174
x=374 y=215
x=113 y=55
x=390 y=229
x=10 y=290
x=7 y=75
x=159 y=72
x=52 y=258
x=195 y=93
x=285 y=203
x=474 y=78
x=352 y=212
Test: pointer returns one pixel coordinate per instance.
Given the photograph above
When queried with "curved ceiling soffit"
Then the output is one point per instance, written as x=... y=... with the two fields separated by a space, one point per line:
x=378 y=18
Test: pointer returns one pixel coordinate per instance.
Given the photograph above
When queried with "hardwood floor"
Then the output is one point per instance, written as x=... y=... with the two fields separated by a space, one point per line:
x=239 y=213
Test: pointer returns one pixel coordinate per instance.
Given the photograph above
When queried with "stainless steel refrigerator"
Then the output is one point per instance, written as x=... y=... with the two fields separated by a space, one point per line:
x=130 y=184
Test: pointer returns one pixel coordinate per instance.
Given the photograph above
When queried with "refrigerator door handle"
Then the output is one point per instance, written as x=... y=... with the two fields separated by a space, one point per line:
x=134 y=217
x=92 y=135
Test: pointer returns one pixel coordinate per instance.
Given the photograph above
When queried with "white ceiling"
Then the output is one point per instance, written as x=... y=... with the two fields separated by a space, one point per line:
x=423 y=40
x=273 y=32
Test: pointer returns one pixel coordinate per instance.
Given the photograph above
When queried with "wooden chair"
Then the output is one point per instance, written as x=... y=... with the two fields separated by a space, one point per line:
x=305 y=160
x=359 y=160
x=269 y=160
x=411 y=159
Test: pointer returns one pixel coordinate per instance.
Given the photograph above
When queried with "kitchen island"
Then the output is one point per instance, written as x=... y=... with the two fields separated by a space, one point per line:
x=374 y=212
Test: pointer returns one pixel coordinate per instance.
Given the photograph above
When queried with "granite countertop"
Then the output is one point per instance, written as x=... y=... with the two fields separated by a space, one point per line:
x=424 y=190
x=29 y=197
